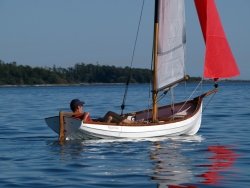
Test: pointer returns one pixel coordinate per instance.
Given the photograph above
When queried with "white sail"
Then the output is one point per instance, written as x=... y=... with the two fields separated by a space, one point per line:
x=171 y=42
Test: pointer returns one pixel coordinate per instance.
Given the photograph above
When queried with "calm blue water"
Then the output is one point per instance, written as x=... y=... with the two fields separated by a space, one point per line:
x=31 y=156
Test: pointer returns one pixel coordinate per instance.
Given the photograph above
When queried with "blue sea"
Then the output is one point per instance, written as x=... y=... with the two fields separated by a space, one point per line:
x=30 y=155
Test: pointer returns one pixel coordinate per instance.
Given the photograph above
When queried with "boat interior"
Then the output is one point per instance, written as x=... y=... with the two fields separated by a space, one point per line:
x=165 y=113
x=181 y=111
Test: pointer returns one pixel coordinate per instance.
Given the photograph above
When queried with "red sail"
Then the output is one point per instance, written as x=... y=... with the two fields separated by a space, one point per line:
x=219 y=60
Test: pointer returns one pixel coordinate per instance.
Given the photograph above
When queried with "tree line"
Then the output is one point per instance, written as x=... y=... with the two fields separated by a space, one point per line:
x=13 y=74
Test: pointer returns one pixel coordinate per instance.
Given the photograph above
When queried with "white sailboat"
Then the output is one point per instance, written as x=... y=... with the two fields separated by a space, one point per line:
x=183 y=118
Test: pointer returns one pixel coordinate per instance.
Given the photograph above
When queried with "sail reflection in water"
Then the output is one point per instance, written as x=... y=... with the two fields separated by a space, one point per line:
x=173 y=168
x=221 y=161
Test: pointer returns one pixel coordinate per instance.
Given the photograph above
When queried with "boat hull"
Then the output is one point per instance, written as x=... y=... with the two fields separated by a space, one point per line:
x=76 y=129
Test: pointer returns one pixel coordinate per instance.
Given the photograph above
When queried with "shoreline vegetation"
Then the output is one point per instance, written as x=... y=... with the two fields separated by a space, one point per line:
x=13 y=75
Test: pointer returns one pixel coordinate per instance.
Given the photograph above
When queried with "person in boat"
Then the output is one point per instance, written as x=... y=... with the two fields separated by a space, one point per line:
x=76 y=107
x=110 y=117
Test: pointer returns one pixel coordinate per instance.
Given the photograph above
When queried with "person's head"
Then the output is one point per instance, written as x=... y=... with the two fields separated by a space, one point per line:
x=76 y=104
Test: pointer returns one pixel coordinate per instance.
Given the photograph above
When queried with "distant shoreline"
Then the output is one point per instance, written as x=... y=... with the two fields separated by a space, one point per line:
x=51 y=85
x=13 y=75
x=103 y=84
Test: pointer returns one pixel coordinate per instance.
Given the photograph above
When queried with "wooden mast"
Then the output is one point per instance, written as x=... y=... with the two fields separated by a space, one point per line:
x=155 y=61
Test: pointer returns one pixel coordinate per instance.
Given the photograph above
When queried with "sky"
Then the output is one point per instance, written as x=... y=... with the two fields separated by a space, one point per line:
x=65 y=32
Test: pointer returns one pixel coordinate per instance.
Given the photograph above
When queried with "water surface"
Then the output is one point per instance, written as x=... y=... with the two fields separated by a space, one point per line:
x=217 y=156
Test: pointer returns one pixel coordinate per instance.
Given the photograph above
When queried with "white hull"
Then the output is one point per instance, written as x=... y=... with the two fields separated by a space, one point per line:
x=188 y=124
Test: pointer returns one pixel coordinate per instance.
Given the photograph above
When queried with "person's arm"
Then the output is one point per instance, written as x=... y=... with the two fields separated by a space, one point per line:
x=85 y=115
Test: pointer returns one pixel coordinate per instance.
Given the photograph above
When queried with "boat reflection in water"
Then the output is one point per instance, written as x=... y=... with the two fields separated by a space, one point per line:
x=173 y=169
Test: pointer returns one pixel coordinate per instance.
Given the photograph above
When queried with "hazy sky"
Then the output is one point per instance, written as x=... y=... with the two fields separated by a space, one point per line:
x=65 y=32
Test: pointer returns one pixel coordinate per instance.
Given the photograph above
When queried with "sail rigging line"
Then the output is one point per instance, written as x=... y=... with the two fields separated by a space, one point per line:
x=216 y=86
x=208 y=102
x=201 y=87
x=185 y=87
x=127 y=83
x=172 y=101
x=149 y=99
x=191 y=95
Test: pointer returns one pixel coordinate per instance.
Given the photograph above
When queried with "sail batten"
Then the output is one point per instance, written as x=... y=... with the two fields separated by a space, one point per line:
x=172 y=50
x=219 y=60
x=171 y=42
